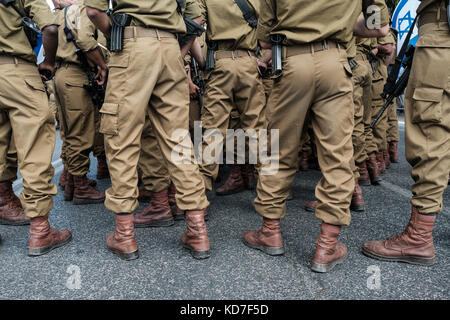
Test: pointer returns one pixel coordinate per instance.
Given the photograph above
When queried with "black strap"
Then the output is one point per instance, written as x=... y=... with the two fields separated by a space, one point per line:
x=11 y=3
x=180 y=5
x=248 y=12
x=389 y=87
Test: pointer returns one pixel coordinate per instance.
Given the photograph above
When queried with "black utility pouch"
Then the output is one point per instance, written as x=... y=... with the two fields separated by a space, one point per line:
x=210 y=59
x=118 y=23
x=277 y=53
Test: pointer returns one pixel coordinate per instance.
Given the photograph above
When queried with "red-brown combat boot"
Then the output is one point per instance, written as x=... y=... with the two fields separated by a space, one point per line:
x=329 y=252
x=11 y=210
x=157 y=214
x=122 y=241
x=43 y=238
x=268 y=239
x=364 y=177
x=374 y=171
x=414 y=245
x=393 y=151
x=234 y=184
x=249 y=177
x=311 y=205
x=357 y=203
x=177 y=213
x=380 y=162
x=144 y=194
x=102 y=168
x=304 y=164
x=195 y=239
x=63 y=178
x=69 y=188
x=387 y=159
x=84 y=193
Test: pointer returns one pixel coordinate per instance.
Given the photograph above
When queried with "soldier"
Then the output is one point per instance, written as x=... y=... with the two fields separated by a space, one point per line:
x=29 y=117
x=233 y=82
x=317 y=57
x=427 y=122
x=77 y=108
x=138 y=85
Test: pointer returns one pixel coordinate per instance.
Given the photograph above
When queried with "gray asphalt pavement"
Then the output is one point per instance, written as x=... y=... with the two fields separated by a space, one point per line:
x=84 y=269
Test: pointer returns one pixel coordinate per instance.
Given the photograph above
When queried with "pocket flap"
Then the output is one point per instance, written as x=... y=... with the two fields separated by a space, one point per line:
x=428 y=94
x=110 y=108
x=36 y=84
x=119 y=60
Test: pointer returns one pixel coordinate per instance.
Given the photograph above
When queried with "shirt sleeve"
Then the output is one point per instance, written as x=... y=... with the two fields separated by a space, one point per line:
x=40 y=12
x=266 y=20
x=86 y=34
x=97 y=4
x=381 y=8
x=203 y=10
x=192 y=9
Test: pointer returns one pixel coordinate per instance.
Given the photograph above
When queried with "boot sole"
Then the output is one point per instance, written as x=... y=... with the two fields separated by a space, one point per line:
x=405 y=259
x=365 y=183
x=200 y=255
x=230 y=192
x=125 y=256
x=34 y=252
x=271 y=251
x=85 y=201
x=14 y=223
x=324 y=268
x=156 y=224
x=376 y=181
x=310 y=209
x=358 y=208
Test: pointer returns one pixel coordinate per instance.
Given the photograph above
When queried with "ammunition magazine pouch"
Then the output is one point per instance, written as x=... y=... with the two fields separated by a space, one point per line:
x=118 y=23
x=277 y=54
x=210 y=55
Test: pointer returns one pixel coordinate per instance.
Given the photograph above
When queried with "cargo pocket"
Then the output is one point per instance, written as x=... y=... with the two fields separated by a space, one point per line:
x=426 y=105
x=35 y=84
x=109 y=119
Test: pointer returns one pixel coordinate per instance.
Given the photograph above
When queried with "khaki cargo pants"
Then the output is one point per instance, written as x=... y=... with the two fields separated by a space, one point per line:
x=392 y=134
x=361 y=83
x=25 y=114
x=77 y=117
x=158 y=86
x=427 y=117
x=379 y=131
x=235 y=83
x=8 y=162
x=332 y=117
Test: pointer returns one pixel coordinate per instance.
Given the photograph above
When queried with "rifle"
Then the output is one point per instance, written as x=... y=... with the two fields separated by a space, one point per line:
x=198 y=81
x=399 y=86
x=372 y=59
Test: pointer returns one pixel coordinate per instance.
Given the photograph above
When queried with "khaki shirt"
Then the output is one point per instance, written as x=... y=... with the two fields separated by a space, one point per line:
x=160 y=14
x=83 y=31
x=13 y=40
x=425 y=3
x=310 y=21
x=227 y=26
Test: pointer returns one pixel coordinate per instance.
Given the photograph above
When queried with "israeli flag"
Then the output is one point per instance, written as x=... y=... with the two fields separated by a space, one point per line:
x=39 y=50
x=402 y=20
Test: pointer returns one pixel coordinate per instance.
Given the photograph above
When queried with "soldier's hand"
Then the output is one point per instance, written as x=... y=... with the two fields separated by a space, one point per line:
x=101 y=76
x=46 y=70
x=193 y=90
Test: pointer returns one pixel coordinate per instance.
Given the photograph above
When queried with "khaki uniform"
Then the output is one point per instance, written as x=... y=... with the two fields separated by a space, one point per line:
x=77 y=109
x=235 y=83
x=316 y=56
x=378 y=82
x=427 y=109
x=25 y=113
x=154 y=173
x=392 y=133
x=138 y=86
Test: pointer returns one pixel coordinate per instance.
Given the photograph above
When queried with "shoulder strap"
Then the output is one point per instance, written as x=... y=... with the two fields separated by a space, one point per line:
x=180 y=4
x=248 y=13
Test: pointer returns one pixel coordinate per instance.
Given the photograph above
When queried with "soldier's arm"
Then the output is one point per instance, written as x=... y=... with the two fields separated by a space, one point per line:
x=96 y=11
x=375 y=23
x=40 y=12
x=266 y=22
x=197 y=54
x=192 y=11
